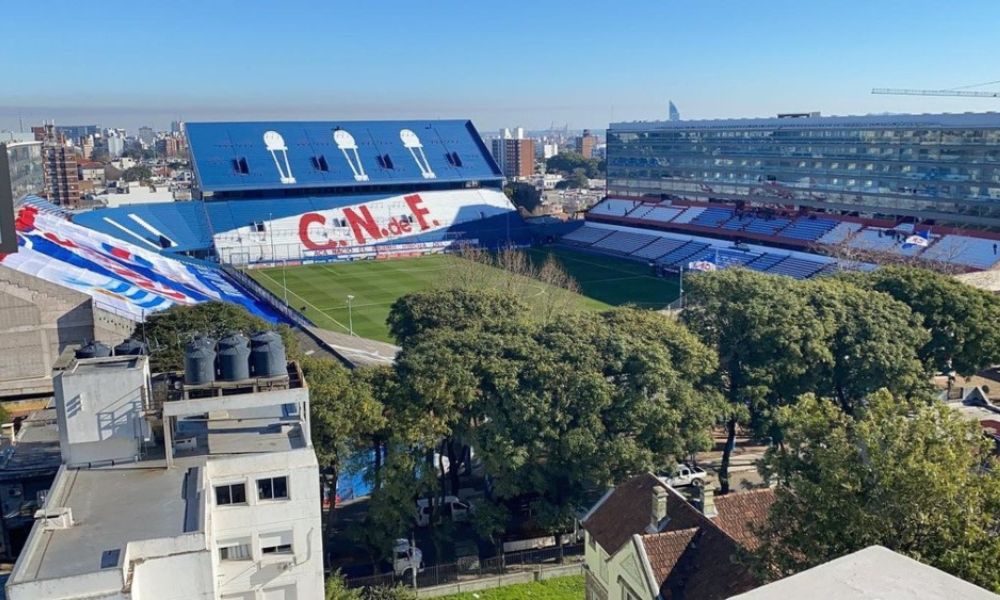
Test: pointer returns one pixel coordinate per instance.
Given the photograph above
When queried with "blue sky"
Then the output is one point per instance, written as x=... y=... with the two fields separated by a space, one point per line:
x=584 y=63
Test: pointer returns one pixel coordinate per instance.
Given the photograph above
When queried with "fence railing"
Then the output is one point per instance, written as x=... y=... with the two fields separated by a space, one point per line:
x=276 y=303
x=473 y=568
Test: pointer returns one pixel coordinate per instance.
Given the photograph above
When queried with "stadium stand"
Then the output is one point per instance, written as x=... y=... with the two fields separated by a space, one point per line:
x=662 y=214
x=872 y=240
x=796 y=267
x=614 y=207
x=840 y=233
x=682 y=254
x=624 y=242
x=964 y=250
x=171 y=226
x=658 y=248
x=766 y=226
x=808 y=229
x=587 y=235
x=764 y=262
x=688 y=215
x=712 y=217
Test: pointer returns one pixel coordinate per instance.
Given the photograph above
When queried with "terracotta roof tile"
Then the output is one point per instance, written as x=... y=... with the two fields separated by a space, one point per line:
x=664 y=550
x=627 y=511
x=740 y=513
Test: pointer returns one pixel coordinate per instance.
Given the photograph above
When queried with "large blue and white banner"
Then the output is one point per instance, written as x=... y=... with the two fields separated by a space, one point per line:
x=119 y=276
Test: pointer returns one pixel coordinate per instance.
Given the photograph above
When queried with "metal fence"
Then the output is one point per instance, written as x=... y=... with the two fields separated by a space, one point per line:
x=473 y=568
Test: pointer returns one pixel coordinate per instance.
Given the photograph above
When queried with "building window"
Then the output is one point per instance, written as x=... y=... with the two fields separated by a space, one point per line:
x=279 y=549
x=235 y=552
x=272 y=488
x=233 y=493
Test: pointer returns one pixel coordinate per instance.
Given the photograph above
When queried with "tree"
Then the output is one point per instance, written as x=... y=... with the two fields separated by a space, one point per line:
x=585 y=401
x=137 y=173
x=167 y=331
x=524 y=195
x=569 y=162
x=961 y=319
x=873 y=341
x=768 y=340
x=336 y=588
x=451 y=309
x=577 y=180
x=914 y=477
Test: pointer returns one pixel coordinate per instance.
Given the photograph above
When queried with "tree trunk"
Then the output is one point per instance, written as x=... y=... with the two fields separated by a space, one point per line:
x=727 y=453
x=454 y=463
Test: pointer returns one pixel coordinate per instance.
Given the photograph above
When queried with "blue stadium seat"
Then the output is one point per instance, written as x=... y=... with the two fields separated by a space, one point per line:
x=712 y=217
x=807 y=229
x=798 y=268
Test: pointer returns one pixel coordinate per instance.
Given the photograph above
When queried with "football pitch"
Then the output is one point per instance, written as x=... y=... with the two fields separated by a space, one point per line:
x=320 y=291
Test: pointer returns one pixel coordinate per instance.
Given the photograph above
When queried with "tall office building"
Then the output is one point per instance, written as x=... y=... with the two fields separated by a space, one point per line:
x=585 y=144
x=514 y=153
x=147 y=136
x=943 y=167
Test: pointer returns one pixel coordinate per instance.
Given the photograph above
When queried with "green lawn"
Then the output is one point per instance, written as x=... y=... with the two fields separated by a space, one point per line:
x=559 y=588
x=320 y=290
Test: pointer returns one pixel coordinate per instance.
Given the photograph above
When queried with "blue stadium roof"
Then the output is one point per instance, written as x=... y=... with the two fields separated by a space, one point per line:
x=232 y=157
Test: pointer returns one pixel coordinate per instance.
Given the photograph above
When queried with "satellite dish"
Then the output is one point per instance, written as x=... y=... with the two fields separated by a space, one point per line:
x=344 y=140
x=274 y=141
x=409 y=139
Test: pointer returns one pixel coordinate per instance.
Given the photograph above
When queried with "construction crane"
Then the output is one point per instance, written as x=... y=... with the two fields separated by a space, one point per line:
x=963 y=93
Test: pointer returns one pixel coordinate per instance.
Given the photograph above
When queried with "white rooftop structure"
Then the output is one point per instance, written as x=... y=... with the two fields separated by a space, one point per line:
x=217 y=497
x=875 y=573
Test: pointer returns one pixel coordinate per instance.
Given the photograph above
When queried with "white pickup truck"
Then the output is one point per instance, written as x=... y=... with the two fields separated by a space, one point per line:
x=682 y=475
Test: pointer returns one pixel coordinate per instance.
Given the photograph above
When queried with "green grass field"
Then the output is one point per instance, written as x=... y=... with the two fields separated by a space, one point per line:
x=558 y=588
x=320 y=290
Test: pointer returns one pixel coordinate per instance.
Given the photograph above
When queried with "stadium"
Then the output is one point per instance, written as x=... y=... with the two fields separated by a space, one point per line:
x=292 y=220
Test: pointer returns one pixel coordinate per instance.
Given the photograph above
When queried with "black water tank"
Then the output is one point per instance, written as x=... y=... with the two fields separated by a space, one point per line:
x=93 y=350
x=199 y=361
x=131 y=347
x=267 y=354
x=234 y=358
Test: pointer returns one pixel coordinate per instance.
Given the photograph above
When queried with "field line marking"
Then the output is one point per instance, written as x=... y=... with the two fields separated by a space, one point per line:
x=308 y=303
x=599 y=265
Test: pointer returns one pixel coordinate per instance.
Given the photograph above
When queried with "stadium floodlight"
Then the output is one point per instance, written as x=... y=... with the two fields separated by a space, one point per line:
x=350 y=316
x=412 y=143
x=345 y=141
x=274 y=144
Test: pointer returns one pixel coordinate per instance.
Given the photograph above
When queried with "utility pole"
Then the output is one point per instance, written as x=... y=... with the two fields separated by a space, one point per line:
x=350 y=316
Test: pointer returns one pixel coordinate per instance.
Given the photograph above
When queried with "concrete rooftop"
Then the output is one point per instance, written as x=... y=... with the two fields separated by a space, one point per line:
x=875 y=573
x=111 y=507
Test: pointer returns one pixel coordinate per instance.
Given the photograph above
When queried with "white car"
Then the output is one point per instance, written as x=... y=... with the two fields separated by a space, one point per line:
x=453 y=508
x=406 y=558
x=686 y=475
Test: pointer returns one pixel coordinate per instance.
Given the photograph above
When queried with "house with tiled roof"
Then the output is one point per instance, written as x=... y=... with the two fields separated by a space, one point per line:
x=644 y=540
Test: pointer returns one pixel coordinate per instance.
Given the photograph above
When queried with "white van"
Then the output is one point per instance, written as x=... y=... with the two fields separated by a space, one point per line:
x=452 y=508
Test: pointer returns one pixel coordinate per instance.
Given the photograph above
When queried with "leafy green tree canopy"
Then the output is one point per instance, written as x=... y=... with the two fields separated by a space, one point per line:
x=913 y=477
x=524 y=195
x=961 y=319
x=137 y=173
x=452 y=309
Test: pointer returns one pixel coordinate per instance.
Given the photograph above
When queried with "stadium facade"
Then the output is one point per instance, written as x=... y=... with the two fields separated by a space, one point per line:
x=942 y=168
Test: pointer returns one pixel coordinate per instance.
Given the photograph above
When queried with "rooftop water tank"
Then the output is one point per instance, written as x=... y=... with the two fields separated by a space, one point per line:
x=93 y=349
x=234 y=358
x=199 y=361
x=131 y=347
x=267 y=354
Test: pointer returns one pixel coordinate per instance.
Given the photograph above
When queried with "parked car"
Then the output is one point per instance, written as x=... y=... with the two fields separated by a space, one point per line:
x=682 y=475
x=406 y=558
x=451 y=507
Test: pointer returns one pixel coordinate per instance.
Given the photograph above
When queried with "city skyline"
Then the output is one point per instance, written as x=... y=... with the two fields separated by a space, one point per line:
x=529 y=65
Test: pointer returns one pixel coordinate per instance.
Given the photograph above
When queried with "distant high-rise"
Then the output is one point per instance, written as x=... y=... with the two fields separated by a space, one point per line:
x=147 y=136
x=62 y=179
x=116 y=145
x=675 y=115
x=585 y=144
x=514 y=153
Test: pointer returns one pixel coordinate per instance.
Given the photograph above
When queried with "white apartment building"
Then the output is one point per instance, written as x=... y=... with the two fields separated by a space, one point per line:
x=177 y=492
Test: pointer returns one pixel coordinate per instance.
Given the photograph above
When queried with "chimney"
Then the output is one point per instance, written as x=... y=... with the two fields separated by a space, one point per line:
x=705 y=501
x=658 y=507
